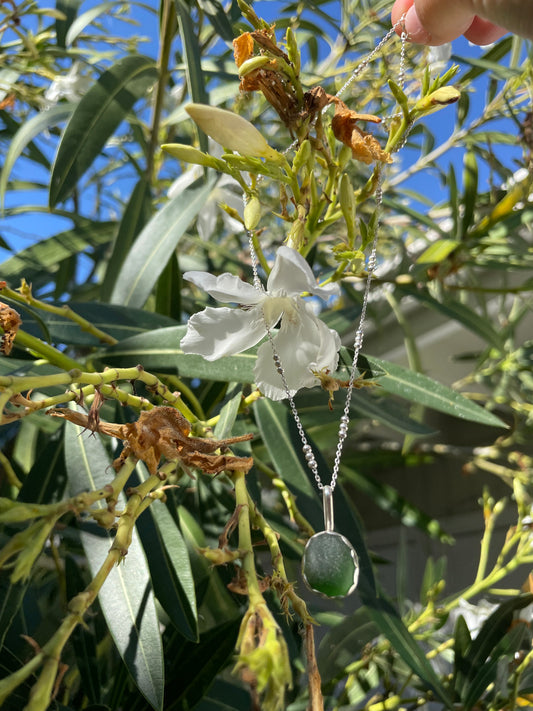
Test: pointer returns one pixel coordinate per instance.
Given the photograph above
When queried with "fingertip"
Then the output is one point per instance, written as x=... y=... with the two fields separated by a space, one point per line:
x=399 y=9
x=483 y=32
x=416 y=32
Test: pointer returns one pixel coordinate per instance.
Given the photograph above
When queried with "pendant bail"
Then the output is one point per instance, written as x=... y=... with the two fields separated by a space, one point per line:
x=327 y=501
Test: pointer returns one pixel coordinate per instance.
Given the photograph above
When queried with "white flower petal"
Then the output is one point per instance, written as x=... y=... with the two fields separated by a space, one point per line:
x=227 y=288
x=207 y=220
x=293 y=275
x=214 y=333
x=304 y=346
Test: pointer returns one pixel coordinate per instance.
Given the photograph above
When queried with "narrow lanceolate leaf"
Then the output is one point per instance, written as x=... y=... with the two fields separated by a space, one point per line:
x=193 y=61
x=417 y=387
x=461 y=313
x=126 y=597
x=45 y=256
x=474 y=664
x=85 y=19
x=389 y=623
x=228 y=415
x=69 y=8
x=137 y=213
x=170 y=567
x=159 y=350
x=154 y=246
x=96 y=118
x=25 y=135
x=218 y=18
x=272 y=420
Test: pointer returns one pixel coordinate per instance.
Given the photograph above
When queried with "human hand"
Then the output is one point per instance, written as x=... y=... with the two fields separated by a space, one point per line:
x=435 y=22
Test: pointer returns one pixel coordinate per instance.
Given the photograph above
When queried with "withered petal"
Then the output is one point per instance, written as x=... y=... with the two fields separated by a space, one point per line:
x=243 y=48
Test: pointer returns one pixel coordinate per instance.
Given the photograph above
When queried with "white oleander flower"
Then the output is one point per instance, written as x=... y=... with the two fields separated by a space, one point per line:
x=439 y=57
x=71 y=86
x=304 y=343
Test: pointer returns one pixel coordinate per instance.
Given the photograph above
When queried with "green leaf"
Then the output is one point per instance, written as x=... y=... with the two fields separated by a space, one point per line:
x=461 y=313
x=228 y=415
x=438 y=251
x=80 y=23
x=197 y=665
x=344 y=643
x=273 y=419
x=45 y=256
x=154 y=246
x=168 y=290
x=475 y=674
x=387 y=620
x=193 y=61
x=428 y=392
x=225 y=696
x=388 y=413
x=159 y=350
x=11 y=599
x=170 y=568
x=118 y=321
x=218 y=18
x=25 y=135
x=126 y=598
x=69 y=8
x=504 y=651
x=488 y=62
x=470 y=182
x=136 y=214
x=47 y=479
x=96 y=118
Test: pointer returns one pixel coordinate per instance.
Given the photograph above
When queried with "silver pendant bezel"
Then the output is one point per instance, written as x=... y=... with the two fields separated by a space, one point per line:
x=354 y=558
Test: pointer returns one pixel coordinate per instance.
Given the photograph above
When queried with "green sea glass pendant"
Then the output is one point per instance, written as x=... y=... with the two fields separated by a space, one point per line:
x=330 y=566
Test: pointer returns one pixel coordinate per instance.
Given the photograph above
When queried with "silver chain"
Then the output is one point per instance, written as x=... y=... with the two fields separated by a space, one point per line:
x=371 y=266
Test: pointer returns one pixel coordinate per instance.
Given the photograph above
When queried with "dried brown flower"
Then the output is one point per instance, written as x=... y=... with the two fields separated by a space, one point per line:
x=364 y=146
x=10 y=323
x=163 y=431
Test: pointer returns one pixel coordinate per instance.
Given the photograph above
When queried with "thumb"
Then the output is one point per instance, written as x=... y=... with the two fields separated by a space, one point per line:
x=438 y=21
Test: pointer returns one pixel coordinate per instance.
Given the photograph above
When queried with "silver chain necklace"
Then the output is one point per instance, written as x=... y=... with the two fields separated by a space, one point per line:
x=330 y=566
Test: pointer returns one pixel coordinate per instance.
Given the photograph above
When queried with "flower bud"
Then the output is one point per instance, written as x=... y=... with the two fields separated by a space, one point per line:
x=252 y=213
x=188 y=154
x=292 y=50
x=303 y=154
x=104 y=518
x=217 y=556
x=232 y=131
x=252 y=64
x=435 y=101
x=296 y=237
x=347 y=203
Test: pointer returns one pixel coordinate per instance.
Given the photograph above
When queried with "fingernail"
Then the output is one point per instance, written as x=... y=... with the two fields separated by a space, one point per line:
x=414 y=28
